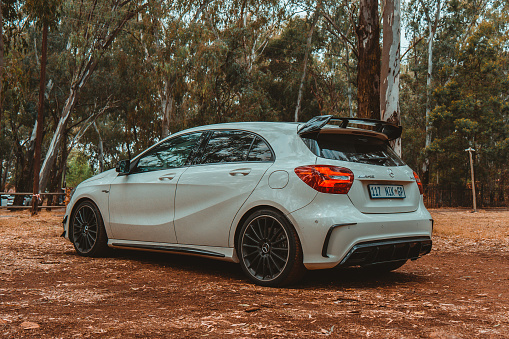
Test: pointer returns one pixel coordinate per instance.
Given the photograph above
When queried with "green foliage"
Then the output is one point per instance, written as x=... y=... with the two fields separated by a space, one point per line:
x=78 y=169
x=473 y=108
x=44 y=11
x=470 y=92
x=243 y=61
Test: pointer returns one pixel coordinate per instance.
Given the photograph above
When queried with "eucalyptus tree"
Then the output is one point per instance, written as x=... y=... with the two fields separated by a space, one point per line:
x=7 y=15
x=341 y=54
x=445 y=26
x=94 y=25
x=368 y=64
x=390 y=68
x=314 y=20
x=472 y=107
x=45 y=12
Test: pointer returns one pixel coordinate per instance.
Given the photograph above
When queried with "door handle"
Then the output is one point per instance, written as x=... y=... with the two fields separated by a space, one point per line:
x=240 y=171
x=167 y=177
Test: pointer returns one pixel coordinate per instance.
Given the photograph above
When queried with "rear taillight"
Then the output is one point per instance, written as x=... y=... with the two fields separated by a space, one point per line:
x=326 y=179
x=419 y=183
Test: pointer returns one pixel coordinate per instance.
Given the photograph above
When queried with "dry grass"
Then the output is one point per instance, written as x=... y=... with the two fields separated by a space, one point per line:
x=460 y=290
x=485 y=224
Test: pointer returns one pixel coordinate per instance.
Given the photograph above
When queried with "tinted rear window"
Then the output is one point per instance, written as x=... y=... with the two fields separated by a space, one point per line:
x=353 y=148
x=235 y=146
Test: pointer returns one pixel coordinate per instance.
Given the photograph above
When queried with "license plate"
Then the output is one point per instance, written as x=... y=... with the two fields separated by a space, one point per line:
x=386 y=191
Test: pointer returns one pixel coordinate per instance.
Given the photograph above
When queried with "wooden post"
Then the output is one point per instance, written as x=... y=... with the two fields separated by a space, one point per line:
x=470 y=150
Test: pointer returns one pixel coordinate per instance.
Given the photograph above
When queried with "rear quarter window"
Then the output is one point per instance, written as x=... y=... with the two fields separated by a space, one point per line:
x=235 y=146
x=353 y=148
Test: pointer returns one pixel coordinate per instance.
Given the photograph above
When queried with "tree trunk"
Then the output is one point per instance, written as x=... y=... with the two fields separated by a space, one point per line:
x=389 y=88
x=432 y=27
x=40 y=120
x=349 y=82
x=100 y=149
x=167 y=105
x=368 y=66
x=1 y=61
x=316 y=16
x=6 y=167
x=52 y=152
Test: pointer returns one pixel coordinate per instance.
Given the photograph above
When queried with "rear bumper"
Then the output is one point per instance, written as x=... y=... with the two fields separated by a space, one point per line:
x=339 y=234
x=382 y=251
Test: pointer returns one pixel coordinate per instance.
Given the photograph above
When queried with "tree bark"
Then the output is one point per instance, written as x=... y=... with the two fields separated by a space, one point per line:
x=432 y=27
x=40 y=119
x=389 y=88
x=349 y=82
x=1 y=61
x=368 y=66
x=167 y=105
x=100 y=148
x=316 y=16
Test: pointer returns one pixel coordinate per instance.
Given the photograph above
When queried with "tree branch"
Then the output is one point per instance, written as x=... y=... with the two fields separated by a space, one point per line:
x=411 y=47
x=341 y=35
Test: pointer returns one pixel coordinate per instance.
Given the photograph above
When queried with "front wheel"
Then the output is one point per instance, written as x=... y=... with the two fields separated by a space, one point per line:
x=87 y=230
x=269 y=249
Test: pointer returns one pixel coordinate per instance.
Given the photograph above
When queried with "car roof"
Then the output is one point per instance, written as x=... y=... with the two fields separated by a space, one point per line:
x=256 y=126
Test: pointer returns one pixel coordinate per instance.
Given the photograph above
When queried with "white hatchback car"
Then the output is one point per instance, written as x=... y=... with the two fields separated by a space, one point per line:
x=278 y=198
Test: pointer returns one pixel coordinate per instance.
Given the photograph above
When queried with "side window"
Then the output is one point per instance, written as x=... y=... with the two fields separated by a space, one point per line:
x=227 y=146
x=260 y=151
x=169 y=154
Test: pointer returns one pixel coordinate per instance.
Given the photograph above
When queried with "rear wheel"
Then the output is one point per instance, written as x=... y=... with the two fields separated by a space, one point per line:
x=269 y=249
x=87 y=230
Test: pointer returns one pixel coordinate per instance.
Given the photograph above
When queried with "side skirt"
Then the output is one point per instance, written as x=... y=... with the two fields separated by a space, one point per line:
x=225 y=254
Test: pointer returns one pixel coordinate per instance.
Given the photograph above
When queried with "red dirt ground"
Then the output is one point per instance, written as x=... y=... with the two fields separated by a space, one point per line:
x=460 y=290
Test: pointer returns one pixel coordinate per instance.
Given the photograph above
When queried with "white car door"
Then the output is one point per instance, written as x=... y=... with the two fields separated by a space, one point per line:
x=141 y=204
x=210 y=193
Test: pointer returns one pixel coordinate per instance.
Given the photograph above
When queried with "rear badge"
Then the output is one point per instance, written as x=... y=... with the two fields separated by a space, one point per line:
x=364 y=176
x=391 y=173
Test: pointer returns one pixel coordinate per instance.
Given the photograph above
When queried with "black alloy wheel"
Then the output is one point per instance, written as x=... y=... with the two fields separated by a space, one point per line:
x=87 y=230
x=270 y=251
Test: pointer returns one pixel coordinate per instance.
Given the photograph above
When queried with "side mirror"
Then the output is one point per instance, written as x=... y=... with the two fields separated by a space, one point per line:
x=123 y=167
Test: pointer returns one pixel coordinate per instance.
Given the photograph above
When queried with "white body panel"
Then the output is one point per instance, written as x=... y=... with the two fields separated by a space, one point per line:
x=202 y=206
x=208 y=198
x=141 y=206
x=316 y=219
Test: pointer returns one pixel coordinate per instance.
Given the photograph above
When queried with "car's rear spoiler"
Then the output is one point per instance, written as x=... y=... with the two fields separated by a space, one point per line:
x=392 y=131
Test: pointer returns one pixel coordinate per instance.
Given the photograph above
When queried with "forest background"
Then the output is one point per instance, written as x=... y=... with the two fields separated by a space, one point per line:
x=121 y=75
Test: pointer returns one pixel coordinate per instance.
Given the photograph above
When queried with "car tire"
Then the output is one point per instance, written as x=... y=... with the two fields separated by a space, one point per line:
x=87 y=231
x=269 y=249
x=384 y=267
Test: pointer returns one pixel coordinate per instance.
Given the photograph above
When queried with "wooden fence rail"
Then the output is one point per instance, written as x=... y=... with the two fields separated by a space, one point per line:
x=4 y=195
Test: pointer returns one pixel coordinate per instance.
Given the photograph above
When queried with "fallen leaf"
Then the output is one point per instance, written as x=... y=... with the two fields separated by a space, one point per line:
x=28 y=325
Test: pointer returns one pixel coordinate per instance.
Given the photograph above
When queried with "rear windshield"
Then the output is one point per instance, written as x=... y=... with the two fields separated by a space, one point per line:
x=352 y=148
